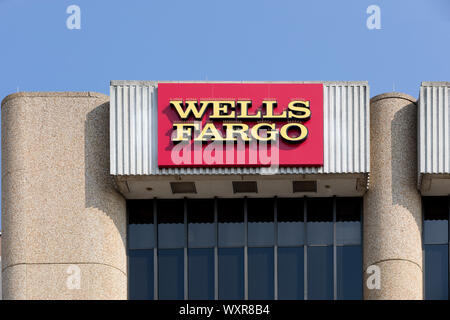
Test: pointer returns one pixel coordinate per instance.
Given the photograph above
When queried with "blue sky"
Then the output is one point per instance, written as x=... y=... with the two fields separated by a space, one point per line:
x=222 y=40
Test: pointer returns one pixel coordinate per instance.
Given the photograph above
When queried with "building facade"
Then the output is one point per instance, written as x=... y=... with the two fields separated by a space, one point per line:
x=231 y=190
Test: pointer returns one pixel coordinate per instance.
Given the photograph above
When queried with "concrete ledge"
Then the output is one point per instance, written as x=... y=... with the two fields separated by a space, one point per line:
x=43 y=94
x=156 y=82
x=64 y=282
x=399 y=280
x=435 y=84
x=393 y=95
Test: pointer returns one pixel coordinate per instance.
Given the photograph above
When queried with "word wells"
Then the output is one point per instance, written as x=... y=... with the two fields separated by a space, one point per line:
x=230 y=120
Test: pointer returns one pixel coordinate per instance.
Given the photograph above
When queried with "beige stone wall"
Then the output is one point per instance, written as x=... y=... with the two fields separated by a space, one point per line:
x=60 y=212
x=392 y=206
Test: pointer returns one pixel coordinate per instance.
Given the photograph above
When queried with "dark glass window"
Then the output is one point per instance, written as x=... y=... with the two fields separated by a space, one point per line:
x=170 y=224
x=246 y=249
x=436 y=271
x=436 y=211
x=171 y=274
x=141 y=234
x=231 y=242
x=348 y=221
x=320 y=221
x=349 y=250
x=202 y=231
x=291 y=252
x=141 y=284
x=436 y=246
x=261 y=234
x=320 y=273
x=260 y=273
x=291 y=229
x=141 y=241
x=201 y=274
x=291 y=273
x=260 y=222
x=231 y=222
x=231 y=273
x=349 y=275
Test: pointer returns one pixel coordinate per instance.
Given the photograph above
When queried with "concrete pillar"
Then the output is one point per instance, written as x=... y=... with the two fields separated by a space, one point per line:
x=392 y=206
x=64 y=225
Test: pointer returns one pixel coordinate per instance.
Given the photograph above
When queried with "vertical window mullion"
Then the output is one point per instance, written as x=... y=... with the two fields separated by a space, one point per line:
x=448 y=245
x=216 y=253
x=155 y=251
x=275 y=249
x=186 y=282
x=305 y=250
x=423 y=250
x=361 y=217
x=334 y=251
x=245 y=250
x=127 y=217
x=436 y=213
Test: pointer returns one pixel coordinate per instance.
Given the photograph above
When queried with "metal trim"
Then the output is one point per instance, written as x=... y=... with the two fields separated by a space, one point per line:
x=433 y=129
x=155 y=251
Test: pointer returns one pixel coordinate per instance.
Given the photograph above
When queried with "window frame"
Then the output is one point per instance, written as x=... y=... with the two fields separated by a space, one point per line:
x=275 y=246
x=424 y=244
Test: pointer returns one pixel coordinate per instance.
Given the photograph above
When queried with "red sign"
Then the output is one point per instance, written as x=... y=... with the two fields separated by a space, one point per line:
x=240 y=124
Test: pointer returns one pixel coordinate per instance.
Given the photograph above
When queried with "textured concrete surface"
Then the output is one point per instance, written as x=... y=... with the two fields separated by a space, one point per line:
x=400 y=280
x=53 y=281
x=58 y=202
x=392 y=206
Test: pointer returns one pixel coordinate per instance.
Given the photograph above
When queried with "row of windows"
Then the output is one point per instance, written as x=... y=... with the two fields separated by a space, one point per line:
x=206 y=243
x=245 y=249
x=231 y=273
x=436 y=211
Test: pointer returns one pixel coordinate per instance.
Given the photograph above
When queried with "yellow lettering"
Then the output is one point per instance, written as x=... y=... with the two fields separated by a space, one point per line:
x=221 y=109
x=270 y=105
x=233 y=129
x=245 y=105
x=209 y=133
x=299 y=110
x=271 y=135
x=191 y=106
x=303 y=132
x=183 y=131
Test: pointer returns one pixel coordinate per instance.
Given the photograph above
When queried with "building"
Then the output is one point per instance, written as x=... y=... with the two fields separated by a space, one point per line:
x=201 y=190
x=0 y=265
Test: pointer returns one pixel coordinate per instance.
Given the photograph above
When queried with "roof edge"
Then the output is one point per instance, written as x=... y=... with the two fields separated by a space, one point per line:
x=435 y=84
x=155 y=82
x=393 y=95
x=45 y=94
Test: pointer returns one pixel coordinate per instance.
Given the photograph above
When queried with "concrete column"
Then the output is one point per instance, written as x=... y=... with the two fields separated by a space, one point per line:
x=64 y=225
x=392 y=206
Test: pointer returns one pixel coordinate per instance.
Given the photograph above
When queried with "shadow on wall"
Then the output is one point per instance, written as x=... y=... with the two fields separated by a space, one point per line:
x=99 y=185
x=404 y=169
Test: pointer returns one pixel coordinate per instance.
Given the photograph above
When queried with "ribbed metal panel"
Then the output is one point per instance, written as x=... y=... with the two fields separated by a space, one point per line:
x=434 y=128
x=133 y=132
